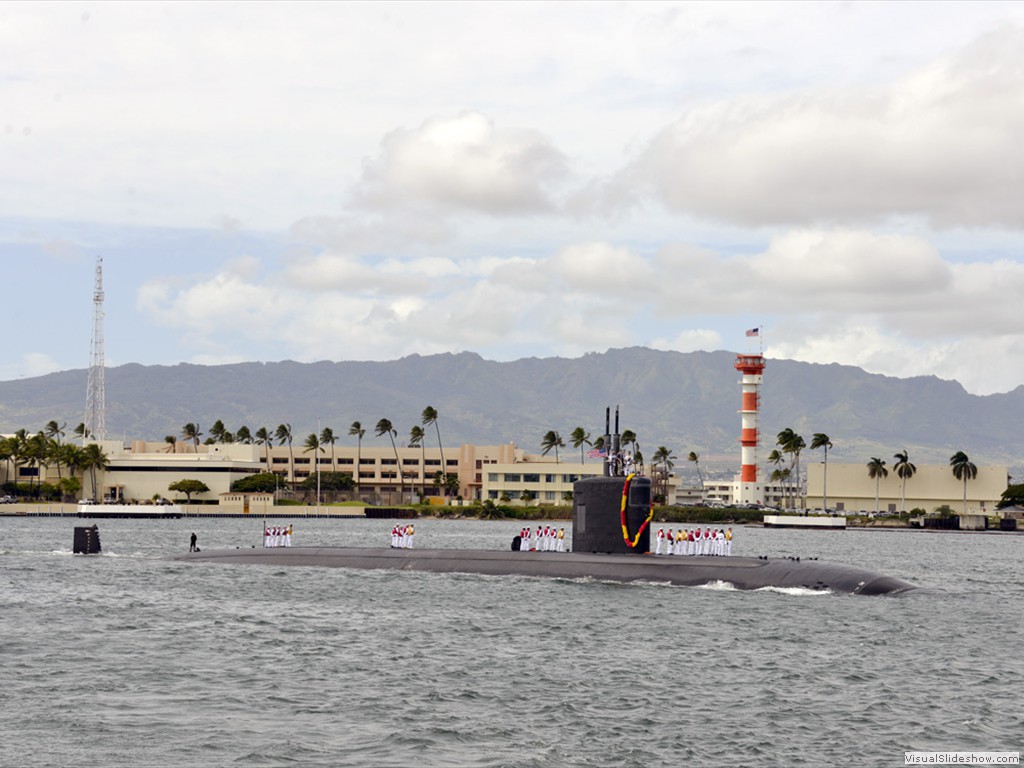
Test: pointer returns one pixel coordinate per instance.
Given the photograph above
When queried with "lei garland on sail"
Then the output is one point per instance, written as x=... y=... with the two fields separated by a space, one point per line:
x=631 y=543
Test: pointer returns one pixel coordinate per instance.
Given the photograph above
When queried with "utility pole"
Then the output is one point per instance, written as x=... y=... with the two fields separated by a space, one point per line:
x=95 y=417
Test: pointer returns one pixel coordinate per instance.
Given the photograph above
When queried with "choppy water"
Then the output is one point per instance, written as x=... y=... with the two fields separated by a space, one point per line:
x=127 y=659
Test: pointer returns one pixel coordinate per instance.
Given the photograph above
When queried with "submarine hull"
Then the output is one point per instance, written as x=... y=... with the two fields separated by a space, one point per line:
x=744 y=573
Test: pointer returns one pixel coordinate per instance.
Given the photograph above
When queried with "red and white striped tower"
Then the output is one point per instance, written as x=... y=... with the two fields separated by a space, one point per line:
x=749 y=490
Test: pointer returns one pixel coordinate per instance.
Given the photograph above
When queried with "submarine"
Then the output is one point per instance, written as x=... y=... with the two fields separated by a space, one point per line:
x=610 y=542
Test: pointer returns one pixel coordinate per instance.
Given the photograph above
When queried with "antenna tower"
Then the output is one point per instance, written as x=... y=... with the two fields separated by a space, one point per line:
x=95 y=418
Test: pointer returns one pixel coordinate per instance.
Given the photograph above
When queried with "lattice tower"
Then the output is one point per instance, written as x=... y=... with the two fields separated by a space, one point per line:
x=95 y=417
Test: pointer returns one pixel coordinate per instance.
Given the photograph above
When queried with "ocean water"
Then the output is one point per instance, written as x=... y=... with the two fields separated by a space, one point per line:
x=129 y=659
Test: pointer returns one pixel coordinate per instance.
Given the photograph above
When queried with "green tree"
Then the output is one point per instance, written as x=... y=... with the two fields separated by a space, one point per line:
x=312 y=445
x=821 y=440
x=579 y=438
x=172 y=443
x=551 y=440
x=188 y=487
x=526 y=497
x=428 y=417
x=357 y=431
x=192 y=432
x=263 y=437
x=217 y=431
x=695 y=458
x=629 y=438
x=963 y=470
x=1013 y=496
x=243 y=435
x=877 y=471
x=81 y=432
x=416 y=436
x=327 y=437
x=283 y=433
x=904 y=471
x=54 y=432
x=384 y=427
x=792 y=443
x=92 y=459
x=264 y=482
x=663 y=457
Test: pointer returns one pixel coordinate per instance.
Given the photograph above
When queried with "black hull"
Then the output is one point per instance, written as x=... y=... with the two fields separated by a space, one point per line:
x=742 y=572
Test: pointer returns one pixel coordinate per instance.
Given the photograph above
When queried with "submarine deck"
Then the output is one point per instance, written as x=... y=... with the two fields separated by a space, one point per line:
x=742 y=572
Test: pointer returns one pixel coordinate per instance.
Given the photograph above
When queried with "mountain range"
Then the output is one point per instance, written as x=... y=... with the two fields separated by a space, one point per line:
x=684 y=401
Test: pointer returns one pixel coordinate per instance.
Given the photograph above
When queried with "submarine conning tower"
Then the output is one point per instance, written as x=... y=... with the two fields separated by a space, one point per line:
x=612 y=513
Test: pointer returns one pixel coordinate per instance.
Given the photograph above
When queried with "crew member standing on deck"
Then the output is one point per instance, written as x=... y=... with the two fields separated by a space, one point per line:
x=660 y=541
x=561 y=540
x=192 y=543
x=680 y=542
x=728 y=542
x=288 y=535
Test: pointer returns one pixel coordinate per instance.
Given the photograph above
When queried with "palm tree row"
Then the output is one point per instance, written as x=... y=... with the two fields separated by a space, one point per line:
x=45 y=449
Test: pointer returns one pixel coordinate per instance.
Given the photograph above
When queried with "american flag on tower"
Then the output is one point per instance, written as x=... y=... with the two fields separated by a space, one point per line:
x=754 y=332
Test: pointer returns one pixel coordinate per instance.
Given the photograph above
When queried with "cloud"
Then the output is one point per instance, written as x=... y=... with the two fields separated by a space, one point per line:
x=31 y=364
x=940 y=144
x=462 y=163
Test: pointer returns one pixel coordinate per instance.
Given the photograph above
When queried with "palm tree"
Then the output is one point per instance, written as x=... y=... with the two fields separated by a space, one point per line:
x=384 y=428
x=428 y=417
x=551 y=440
x=191 y=432
x=695 y=458
x=964 y=470
x=312 y=443
x=876 y=471
x=172 y=443
x=243 y=435
x=821 y=440
x=628 y=438
x=663 y=456
x=94 y=458
x=327 y=437
x=579 y=438
x=71 y=457
x=55 y=432
x=263 y=437
x=904 y=471
x=792 y=443
x=283 y=433
x=357 y=430
x=416 y=435
x=81 y=432
x=217 y=431
x=776 y=458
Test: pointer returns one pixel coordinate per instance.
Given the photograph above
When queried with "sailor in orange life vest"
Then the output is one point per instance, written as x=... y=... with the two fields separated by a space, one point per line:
x=288 y=535
x=680 y=540
x=411 y=536
x=561 y=540
x=728 y=542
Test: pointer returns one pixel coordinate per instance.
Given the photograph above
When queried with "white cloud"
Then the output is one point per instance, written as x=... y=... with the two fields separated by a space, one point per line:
x=31 y=364
x=462 y=163
x=941 y=143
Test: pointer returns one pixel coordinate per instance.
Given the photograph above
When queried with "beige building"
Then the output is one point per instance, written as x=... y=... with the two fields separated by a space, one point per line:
x=851 y=490
x=143 y=471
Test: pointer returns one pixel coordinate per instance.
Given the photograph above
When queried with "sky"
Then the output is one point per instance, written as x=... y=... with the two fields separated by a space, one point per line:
x=364 y=181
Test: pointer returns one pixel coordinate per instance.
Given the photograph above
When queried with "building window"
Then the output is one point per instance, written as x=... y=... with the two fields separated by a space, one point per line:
x=280 y=460
x=549 y=478
x=389 y=462
x=302 y=461
x=367 y=462
x=492 y=495
x=512 y=477
x=531 y=478
x=492 y=477
x=411 y=462
x=452 y=462
x=433 y=462
x=345 y=461
x=366 y=475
